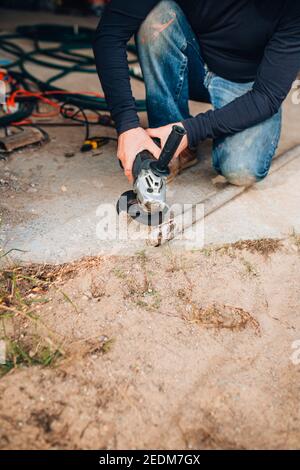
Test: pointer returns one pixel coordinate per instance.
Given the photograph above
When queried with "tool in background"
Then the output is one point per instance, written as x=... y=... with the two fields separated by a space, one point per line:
x=146 y=203
x=94 y=143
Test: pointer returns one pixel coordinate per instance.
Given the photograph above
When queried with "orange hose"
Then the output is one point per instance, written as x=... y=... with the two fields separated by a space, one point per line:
x=43 y=97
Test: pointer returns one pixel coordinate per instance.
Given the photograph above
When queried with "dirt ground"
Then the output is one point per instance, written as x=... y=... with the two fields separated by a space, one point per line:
x=158 y=350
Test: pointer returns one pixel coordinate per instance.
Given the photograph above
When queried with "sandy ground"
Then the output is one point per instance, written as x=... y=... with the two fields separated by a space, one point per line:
x=165 y=350
x=159 y=349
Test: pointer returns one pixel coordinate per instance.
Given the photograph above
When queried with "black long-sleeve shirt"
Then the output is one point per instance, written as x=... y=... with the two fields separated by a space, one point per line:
x=241 y=40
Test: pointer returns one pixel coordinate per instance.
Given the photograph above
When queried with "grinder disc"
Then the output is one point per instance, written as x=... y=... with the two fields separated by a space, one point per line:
x=129 y=203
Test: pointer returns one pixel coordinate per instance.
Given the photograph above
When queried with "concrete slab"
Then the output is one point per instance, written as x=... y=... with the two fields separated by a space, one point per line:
x=268 y=209
x=49 y=202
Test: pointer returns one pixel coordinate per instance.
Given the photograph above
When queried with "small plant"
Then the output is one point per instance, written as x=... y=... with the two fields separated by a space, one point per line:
x=107 y=345
x=21 y=354
x=119 y=273
x=264 y=247
x=28 y=341
x=249 y=268
x=296 y=239
x=222 y=317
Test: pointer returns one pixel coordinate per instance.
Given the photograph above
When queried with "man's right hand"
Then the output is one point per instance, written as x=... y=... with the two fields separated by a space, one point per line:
x=132 y=142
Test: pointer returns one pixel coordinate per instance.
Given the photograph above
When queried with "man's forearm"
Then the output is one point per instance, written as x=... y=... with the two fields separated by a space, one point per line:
x=111 y=62
x=120 y=21
x=246 y=111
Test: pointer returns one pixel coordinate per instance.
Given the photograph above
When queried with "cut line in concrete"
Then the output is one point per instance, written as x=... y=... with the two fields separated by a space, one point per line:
x=180 y=223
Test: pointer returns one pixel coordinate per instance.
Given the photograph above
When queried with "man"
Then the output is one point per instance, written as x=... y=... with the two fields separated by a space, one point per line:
x=240 y=55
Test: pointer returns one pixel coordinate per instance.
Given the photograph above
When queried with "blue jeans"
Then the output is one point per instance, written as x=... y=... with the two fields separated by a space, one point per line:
x=174 y=72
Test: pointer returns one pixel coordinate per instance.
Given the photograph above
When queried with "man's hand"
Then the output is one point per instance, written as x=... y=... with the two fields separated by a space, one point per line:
x=132 y=142
x=163 y=133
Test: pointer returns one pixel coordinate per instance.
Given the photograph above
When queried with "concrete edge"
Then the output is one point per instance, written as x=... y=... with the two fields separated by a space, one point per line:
x=176 y=226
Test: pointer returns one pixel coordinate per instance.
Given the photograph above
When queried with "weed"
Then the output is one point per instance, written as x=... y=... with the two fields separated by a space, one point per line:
x=119 y=273
x=139 y=287
x=222 y=317
x=176 y=264
x=20 y=295
x=69 y=300
x=4 y=255
x=91 y=347
x=208 y=251
x=295 y=237
x=27 y=354
x=249 y=268
x=107 y=345
x=23 y=289
x=264 y=247
x=219 y=316
x=142 y=256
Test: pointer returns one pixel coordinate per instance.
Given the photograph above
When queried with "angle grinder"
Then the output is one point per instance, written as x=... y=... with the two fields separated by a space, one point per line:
x=146 y=202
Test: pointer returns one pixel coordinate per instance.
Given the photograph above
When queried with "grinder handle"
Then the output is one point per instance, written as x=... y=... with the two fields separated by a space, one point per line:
x=170 y=147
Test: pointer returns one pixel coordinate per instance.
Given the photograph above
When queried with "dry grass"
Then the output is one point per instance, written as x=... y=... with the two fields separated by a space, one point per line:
x=223 y=317
x=21 y=295
x=295 y=237
x=23 y=289
x=49 y=274
x=138 y=285
x=218 y=316
x=264 y=247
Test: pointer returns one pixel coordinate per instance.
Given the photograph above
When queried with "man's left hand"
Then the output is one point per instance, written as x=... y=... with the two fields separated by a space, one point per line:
x=163 y=133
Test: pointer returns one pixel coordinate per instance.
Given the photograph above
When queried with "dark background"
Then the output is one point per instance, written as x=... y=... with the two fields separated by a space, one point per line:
x=59 y=6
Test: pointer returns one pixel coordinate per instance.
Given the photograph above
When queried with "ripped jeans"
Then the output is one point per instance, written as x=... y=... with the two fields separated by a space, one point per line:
x=174 y=72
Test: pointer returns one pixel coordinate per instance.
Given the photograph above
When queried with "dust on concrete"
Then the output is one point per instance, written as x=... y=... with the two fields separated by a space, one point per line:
x=169 y=376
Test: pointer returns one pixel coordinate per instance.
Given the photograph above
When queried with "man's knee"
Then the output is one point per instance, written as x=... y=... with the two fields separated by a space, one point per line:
x=242 y=169
x=241 y=177
x=245 y=158
x=157 y=26
x=244 y=172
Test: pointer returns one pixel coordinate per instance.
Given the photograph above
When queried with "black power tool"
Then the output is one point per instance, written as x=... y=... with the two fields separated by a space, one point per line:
x=146 y=203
